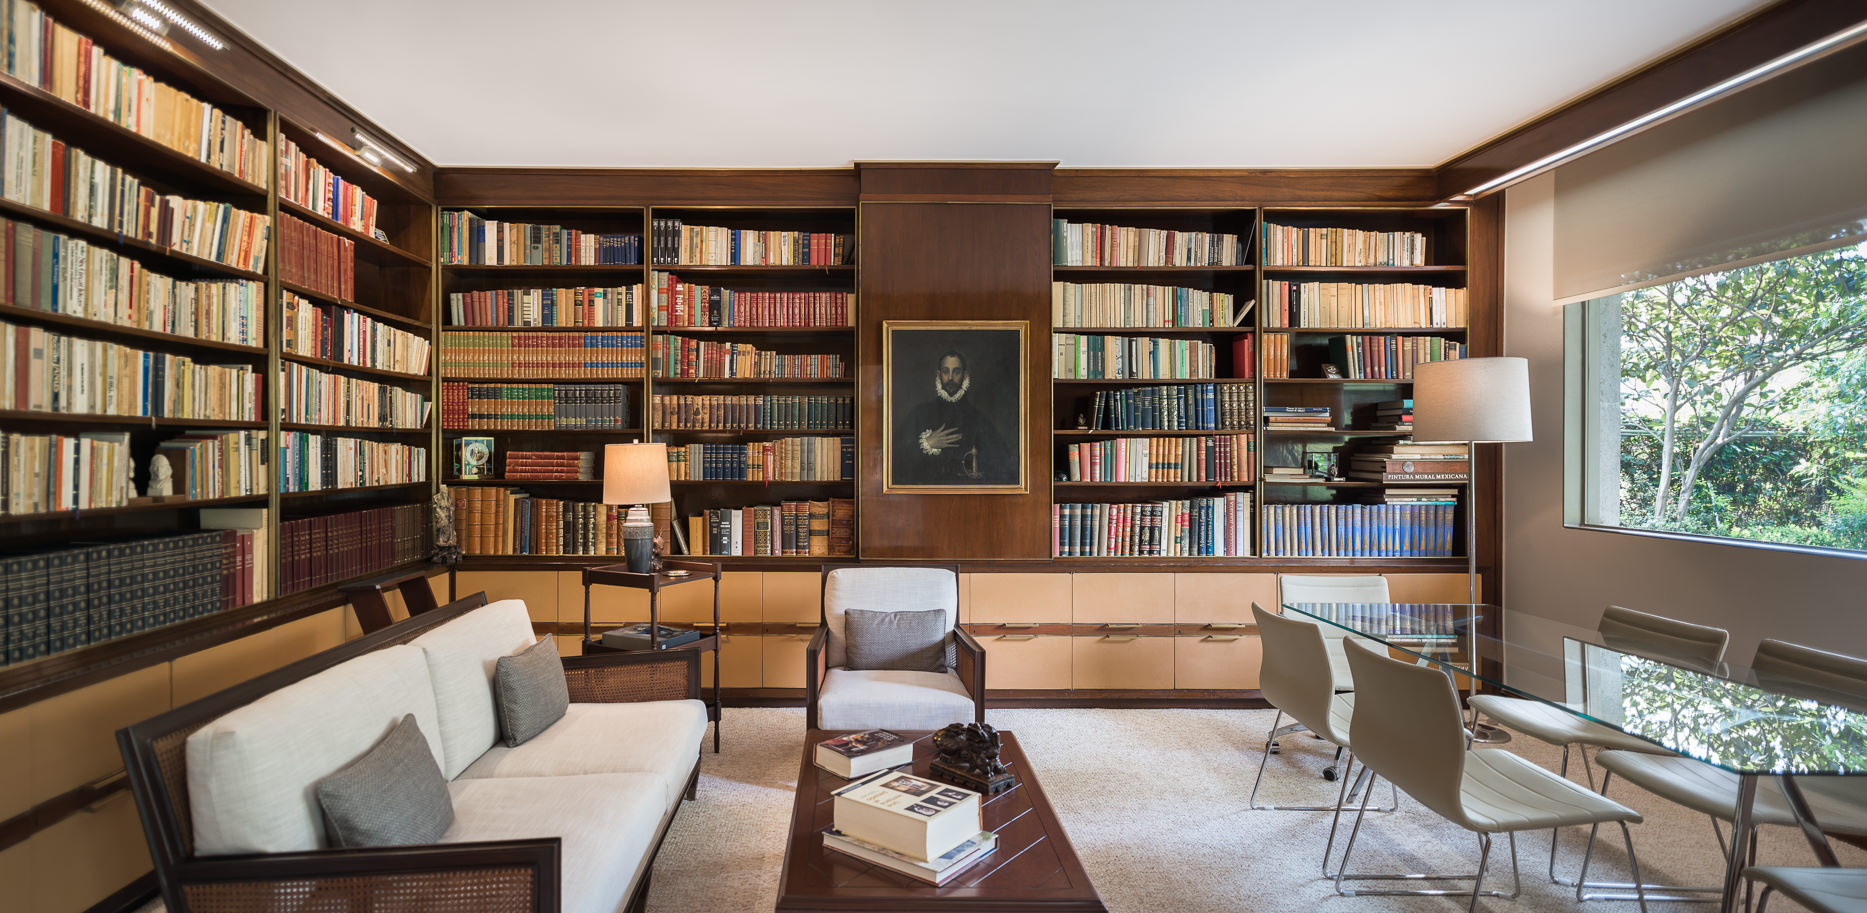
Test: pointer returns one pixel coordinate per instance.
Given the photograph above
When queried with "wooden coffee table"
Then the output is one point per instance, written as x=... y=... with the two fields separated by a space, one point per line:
x=1034 y=866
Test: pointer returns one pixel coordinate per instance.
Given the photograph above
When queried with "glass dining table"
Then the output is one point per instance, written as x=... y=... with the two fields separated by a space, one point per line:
x=1727 y=716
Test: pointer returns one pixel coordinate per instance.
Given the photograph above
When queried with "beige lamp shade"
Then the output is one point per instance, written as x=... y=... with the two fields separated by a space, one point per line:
x=635 y=474
x=1482 y=400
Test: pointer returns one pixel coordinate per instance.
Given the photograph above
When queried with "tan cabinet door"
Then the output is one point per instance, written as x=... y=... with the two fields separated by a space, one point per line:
x=793 y=596
x=1104 y=598
x=1000 y=598
x=784 y=658
x=742 y=662
x=1202 y=598
x=1026 y=661
x=539 y=589
x=692 y=603
x=1216 y=661
x=1121 y=661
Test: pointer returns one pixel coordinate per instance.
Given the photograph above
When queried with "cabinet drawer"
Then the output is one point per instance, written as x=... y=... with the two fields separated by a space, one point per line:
x=1121 y=661
x=690 y=603
x=742 y=659
x=1429 y=587
x=1099 y=598
x=539 y=589
x=783 y=658
x=1026 y=661
x=998 y=598
x=1216 y=661
x=1200 y=598
x=793 y=596
x=609 y=605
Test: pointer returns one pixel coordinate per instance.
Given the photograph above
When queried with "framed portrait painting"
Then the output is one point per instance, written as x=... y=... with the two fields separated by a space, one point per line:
x=953 y=406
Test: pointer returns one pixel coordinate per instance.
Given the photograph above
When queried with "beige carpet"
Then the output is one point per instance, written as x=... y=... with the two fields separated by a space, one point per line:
x=1156 y=803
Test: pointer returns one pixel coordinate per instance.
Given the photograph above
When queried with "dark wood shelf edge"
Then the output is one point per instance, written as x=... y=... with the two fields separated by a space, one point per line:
x=86 y=324
x=317 y=362
x=62 y=223
x=87 y=513
x=365 y=489
x=65 y=672
x=1020 y=565
x=363 y=239
x=314 y=295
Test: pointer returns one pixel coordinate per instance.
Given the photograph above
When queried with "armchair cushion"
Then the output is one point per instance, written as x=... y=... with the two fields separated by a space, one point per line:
x=394 y=795
x=531 y=691
x=884 y=589
x=888 y=699
x=905 y=641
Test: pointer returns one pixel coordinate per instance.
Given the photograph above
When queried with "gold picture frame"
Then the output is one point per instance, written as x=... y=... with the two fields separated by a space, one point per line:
x=965 y=381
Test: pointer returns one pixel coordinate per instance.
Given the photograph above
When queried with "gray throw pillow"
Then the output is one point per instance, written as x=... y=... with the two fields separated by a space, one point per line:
x=394 y=795
x=529 y=691
x=902 y=641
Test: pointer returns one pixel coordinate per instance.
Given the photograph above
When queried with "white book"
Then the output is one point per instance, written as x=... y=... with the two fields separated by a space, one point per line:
x=862 y=753
x=935 y=871
x=907 y=814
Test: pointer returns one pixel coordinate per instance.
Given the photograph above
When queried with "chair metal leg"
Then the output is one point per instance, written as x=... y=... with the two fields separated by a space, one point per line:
x=1342 y=873
x=1263 y=761
x=1640 y=889
x=1336 y=820
x=1555 y=833
x=1269 y=739
x=1478 y=881
x=1763 y=899
x=1633 y=864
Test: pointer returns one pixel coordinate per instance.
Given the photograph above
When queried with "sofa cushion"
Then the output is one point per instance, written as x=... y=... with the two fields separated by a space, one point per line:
x=529 y=691
x=392 y=796
x=659 y=738
x=909 y=641
x=892 y=700
x=461 y=657
x=607 y=822
x=252 y=773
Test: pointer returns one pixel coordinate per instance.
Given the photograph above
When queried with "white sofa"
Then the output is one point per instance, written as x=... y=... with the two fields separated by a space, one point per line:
x=602 y=783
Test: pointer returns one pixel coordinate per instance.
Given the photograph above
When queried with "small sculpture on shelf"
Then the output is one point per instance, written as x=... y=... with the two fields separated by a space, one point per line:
x=446 y=540
x=161 y=477
x=969 y=757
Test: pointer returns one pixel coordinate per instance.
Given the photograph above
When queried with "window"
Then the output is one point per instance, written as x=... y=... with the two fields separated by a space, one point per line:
x=1729 y=404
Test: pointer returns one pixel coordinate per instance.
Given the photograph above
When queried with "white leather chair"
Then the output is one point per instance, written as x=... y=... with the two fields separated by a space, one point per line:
x=838 y=698
x=1407 y=729
x=1823 y=890
x=1344 y=588
x=1839 y=804
x=1295 y=679
x=1625 y=628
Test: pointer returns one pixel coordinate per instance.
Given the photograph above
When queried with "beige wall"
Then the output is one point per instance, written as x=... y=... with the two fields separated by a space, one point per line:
x=1571 y=574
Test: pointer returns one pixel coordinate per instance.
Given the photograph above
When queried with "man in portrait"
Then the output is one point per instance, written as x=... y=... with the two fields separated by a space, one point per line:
x=947 y=438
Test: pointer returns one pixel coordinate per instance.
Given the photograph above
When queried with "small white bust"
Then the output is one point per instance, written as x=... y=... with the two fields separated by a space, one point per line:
x=161 y=477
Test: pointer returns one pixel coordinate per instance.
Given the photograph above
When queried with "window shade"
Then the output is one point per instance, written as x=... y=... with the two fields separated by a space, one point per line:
x=1777 y=167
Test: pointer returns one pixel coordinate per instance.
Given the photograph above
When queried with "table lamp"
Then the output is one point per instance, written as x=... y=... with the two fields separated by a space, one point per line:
x=636 y=475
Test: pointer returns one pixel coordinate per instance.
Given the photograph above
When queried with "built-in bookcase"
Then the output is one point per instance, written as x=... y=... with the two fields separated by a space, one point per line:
x=1366 y=292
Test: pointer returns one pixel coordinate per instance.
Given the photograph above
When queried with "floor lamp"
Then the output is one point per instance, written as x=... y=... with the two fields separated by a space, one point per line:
x=1475 y=401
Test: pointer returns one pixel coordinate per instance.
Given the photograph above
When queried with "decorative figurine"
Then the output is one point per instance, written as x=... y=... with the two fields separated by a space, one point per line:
x=969 y=758
x=446 y=540
x=1082 y=422
x=161 y=477
x=1332 y=372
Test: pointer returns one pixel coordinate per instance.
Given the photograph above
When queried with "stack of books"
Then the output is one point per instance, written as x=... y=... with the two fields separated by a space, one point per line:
x=551 y=466
x=1393 y=415
x=1418 y=495
x=862 y=753
x=925 y=830
x=1411 y=463
x=1299 y=418
x=1285 y=474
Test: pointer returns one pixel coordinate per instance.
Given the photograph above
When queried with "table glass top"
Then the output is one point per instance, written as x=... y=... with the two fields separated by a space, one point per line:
x=1724 y=715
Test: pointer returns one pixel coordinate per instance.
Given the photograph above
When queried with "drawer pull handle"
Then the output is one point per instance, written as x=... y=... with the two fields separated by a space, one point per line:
x=1222 y=638
x=1121 y=625
x=1017 y=637
x=1019 y=624
x=803 y=625
x=1219 y=626
x=1120 y=638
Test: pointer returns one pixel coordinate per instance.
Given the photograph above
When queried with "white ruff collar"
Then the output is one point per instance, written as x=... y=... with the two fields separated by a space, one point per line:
x=940 y=390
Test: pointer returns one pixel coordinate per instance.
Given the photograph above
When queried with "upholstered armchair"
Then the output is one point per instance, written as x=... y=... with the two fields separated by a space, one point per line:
x=948 y=684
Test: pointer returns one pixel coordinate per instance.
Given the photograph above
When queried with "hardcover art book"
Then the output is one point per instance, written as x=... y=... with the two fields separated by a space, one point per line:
x=862 y=753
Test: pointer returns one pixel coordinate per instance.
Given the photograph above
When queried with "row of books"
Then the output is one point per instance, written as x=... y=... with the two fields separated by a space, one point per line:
x=314 y=397
x=469 y=240
x=680 y=356
x=614 y=306
x=41 y=473
x=1359 y=530
x=535 y=407
x=1211 y=527
x=789 y=529
x=215 y=464
x=47 y=271
x=1175 y=407
x=1299 y=418
x=1109 y=304
x=1389 y=357
x=44 y=371
x=320 y=551
x=1095 y=244
x=712 y=245
x=63 y=599
x=752 y=412
x=44 y=53
x=1291 y=245
x=44 y=172
x=1423 y=620
x=511 y=521
x=1410 y=462
x=1217 y=458
x=1360 y=304
x=789 y=459
x=546 y=356
x=317 y=259
x=336 y=333
x=305 y=181
x=1081 y=357
x=522 y=465
x=322 y=462
x=683 y=304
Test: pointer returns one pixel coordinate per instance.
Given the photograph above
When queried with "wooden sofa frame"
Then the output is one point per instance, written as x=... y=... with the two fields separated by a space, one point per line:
x=503 y=875
x=969 y=656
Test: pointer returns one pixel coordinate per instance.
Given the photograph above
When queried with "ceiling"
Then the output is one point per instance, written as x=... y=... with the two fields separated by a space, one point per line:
x=1091 y=83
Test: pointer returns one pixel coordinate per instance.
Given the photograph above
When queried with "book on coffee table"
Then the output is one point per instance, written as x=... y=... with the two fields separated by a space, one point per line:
x=862 y=753
x=934 y=871
x=908 y=814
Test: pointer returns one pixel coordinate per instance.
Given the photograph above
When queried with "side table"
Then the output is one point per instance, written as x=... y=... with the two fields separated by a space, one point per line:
x=620 y=575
